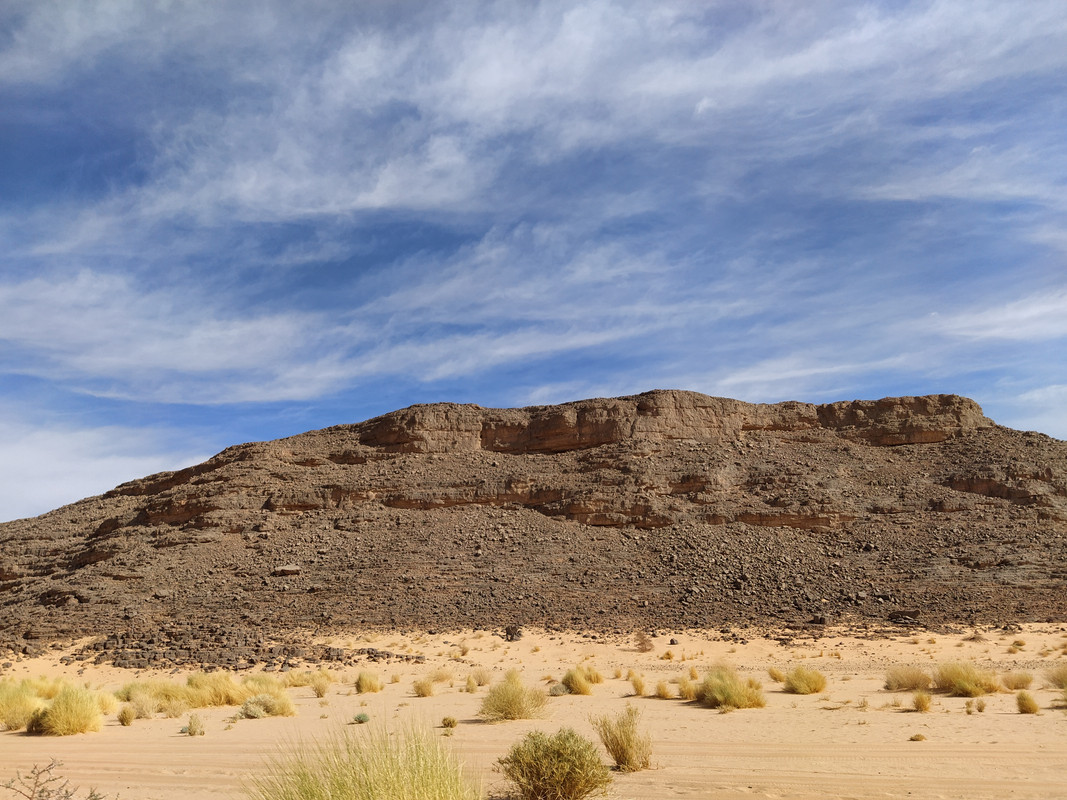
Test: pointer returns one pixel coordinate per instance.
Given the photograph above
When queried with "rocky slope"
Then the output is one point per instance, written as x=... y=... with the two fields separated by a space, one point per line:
x=666 y=509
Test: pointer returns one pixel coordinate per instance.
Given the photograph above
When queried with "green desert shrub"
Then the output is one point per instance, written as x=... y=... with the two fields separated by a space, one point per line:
x=563 y=766
x=410 y=763
x=722 y=688
x=903 y=677
x=368 y=682
x=74 y=710
x=631 y=749
x=1017 y=680
x=803 y=680
x=965 y=680
x=1026 y=703
x=361 y=719
x=509 y=699
x=18 y=703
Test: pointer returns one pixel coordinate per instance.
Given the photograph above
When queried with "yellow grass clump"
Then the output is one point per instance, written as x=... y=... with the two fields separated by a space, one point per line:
x=18 y=703
x=368 y=682
x=423 y=687
x=1057 y=676
x=1017 y=680
x=664 y=691
x=378 y=766
x=1026 y=703
x=965 y=680
x=630 y=749
x=637 y=682
x=509 y=700
x=74 y=710
x=904 y=677
x=803 y=680
x=267 y=704
x=921 y=701
x=563 y=766
x=722 y=688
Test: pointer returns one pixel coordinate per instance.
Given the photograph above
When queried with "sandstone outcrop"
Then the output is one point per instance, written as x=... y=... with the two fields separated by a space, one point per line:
x=668 y=509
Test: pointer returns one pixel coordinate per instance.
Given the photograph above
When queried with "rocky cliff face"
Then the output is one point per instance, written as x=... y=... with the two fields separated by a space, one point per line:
x=663 y=509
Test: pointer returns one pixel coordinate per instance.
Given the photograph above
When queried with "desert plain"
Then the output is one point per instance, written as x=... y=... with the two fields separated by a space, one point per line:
x=854 y=739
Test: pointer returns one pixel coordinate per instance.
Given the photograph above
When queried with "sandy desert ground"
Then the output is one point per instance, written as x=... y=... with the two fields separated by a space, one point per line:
x=852 y=740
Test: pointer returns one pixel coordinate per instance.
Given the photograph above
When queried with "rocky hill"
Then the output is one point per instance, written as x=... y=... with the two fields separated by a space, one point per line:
x=666 y=509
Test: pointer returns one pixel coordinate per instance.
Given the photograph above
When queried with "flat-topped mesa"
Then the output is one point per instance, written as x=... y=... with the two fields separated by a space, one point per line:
x=662 y=415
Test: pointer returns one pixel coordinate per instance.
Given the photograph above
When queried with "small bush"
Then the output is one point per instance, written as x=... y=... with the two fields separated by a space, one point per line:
x=472 y=685
x=687 y=689
x=576 y=682
x=664 y=691
x=643 y=642
x=267 y=705
x=723 y=688
x=1026 y=703
x=803 y=680
x=376 y=766
x=558 y=690
x=980 y=706
x=368 y=682
x=73 y=710
x=1057 y=676
x=509 y=699
x=920 y=701
x=965 y=680
x=449 y=722
x=1017 y=680
x=631 y=750
x=906 y=678
x=127 y=715
x=320 y=683
x=43 y=784
x=776 y=675
x=361 y=718
x=441 y=675
x=917 y=737
x=18 y=704
x=564 y=766
x=195 y=726
x=423 y=687
x=637 y=682
x=482 y=676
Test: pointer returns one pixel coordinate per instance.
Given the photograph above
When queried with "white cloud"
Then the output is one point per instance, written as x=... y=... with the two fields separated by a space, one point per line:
x=1036 y=318
x=43 y=466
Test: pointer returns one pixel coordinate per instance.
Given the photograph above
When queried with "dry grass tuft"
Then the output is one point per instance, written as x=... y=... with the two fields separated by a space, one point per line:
x=18 y=703
x=377 y=766
x=723 y=689
x=921 y=701
x=509 y=699
x=368 y=682
x=127 y=714
x=903 y=677
x=1057 y=676
x=803 y=680
x=637 y=682
x=1014 y=681
x=74 y=710
x=1026 y=703
x=776 y=675
x=965 y=680
x=664 y=691
x=643 y=642
x=631 y=750
x=563 y=766
x=267 y=705
x=423 y=687
x=688 y=689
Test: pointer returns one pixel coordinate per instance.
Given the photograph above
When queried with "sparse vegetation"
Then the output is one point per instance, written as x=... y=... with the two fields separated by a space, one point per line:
x=903 y=677
x=320 y=682
x=42 y=783
x=776 y=675
x=267 y=705
x=509 y=700
x=563 y=766
x=580 y=680
x=449 y=722
x=803 y=680
x=722 y=688
x=965 y=680
x=127 y=715
x=1014 y=681
x=74 y=710
x=643 y=642
x=378 y=766
x=18 y=703
x=423 y=687
x=664 y=691
x=921 y=701
x=362 y=718
x=368 y=682
x=1026 y=703
x=1057 y=676
x=630 y=749
x=637 y=683
x=195 y=726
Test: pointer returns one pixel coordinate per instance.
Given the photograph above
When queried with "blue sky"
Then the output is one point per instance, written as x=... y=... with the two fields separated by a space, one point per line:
x=223 y=222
